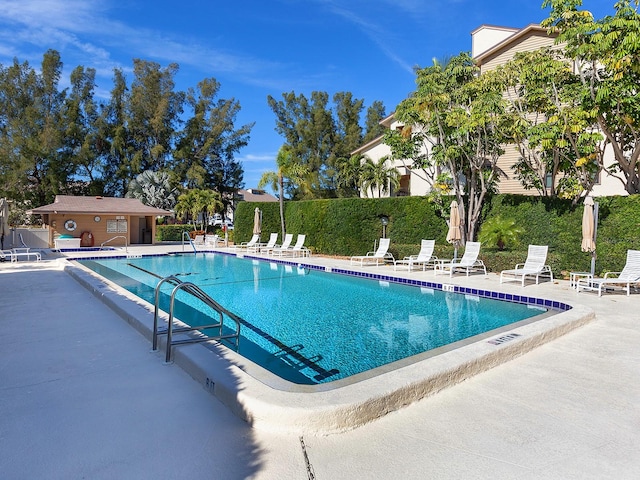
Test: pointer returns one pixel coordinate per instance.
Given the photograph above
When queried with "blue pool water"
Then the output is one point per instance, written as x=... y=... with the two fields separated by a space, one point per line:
x=310 y=326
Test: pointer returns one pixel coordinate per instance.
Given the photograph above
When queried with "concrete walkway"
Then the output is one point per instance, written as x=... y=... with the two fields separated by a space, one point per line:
x=82 y=396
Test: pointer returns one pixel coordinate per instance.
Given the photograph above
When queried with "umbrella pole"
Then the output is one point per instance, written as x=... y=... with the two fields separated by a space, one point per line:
x=595 y=234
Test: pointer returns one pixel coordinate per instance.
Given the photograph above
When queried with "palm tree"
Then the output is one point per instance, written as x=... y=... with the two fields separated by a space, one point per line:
x=501 y=232
x=195 y=202
x=153 y=189
x=377 y=176
x=349 y=173
x=294 y=173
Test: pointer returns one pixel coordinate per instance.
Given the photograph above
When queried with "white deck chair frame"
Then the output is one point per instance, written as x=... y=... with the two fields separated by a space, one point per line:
x=286 y=244
x=263 y=247
x=245 y=245
x=212 y=240
x=468 y=263
x=198 y=240
x=298 y=250
x=424 y=257
x=26 y=253
x=381 y=254
x=534 y=266
x=629 y=275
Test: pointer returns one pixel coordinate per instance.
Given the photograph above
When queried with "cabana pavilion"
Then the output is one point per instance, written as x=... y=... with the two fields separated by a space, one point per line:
x=87 y=221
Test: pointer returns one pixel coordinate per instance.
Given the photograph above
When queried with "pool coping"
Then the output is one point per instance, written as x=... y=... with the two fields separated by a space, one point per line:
x=324 y=411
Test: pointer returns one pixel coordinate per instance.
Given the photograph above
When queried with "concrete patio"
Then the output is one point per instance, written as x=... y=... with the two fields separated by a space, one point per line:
x=84 y=397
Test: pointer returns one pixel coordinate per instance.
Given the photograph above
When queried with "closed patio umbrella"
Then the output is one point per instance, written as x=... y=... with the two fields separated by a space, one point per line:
x=257 y=222
x=454 y=235
x=4 y=220
x=589 y=228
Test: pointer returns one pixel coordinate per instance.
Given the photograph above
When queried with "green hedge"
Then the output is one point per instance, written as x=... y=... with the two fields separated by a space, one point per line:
x=348 y=226
x=173 y=233
x=351 y=226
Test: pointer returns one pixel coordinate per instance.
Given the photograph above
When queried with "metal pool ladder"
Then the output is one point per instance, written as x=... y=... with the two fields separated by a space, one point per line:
x=193 y=245
x=199 y=294
x=126 y=248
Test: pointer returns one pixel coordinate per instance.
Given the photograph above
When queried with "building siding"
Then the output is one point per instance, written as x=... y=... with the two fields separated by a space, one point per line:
x=526 y=44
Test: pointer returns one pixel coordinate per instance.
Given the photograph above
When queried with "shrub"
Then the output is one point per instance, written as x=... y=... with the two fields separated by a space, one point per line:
x=500 y=232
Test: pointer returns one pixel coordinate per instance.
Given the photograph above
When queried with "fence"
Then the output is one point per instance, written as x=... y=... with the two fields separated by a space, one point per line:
x=33 y=238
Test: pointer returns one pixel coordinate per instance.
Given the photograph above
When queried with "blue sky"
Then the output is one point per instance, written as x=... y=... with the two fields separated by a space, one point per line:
x=256 y=48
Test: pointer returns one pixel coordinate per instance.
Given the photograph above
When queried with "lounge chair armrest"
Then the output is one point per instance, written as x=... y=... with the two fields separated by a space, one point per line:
x=608 y=274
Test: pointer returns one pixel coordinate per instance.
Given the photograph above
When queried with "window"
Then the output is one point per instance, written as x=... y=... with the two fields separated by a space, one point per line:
x=118 y=225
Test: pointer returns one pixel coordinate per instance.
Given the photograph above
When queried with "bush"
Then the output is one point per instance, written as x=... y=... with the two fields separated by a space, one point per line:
x=500 y=232
x=352 y=226
x=172 y=233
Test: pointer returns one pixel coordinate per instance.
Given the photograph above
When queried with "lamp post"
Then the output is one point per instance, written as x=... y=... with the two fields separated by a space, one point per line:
x=385 y=221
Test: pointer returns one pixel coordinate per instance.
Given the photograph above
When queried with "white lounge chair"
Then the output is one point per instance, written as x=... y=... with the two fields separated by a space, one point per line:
x=198 y=240
x=298 y=250
x=425 y=257
x=211 y=241
x=245 y=245
x=534 y=266
x=17 y=253
x=630 y=274
x=381 y=254
x=265 y=247
x=468 y=263
x=286 y=243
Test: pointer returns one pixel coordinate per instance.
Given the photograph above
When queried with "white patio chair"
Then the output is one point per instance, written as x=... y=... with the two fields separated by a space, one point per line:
x=199 y=240
x=298 y=250
x=425 y=257
x=211 y=241
x=26 y=253
x=534 y=266
x=630 y=274
x=468 y=263
x=286 y=243
x=381 y=254
x=265 y=247
x=245 y=245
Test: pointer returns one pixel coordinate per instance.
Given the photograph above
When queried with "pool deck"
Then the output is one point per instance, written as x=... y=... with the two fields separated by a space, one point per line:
x=84 y=397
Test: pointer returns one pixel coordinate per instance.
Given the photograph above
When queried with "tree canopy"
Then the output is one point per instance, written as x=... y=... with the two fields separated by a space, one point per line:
x=64 y=141
x=606 y=53
x=320 y=138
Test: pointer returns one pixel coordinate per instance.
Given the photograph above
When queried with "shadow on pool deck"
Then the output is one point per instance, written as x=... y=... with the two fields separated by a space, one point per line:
x=82 y=393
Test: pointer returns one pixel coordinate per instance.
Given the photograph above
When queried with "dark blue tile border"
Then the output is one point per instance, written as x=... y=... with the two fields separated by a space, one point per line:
x=508 y=297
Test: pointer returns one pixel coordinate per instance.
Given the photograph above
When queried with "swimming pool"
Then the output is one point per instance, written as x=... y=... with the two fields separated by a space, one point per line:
x=310 y=326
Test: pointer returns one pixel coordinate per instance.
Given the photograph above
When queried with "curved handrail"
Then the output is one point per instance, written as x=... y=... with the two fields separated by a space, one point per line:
x=198 y=293
x=174 y=280
x=193 y=245
x=126 y=247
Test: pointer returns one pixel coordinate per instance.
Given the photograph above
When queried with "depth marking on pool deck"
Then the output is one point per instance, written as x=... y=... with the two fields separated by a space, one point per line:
x=504 y=338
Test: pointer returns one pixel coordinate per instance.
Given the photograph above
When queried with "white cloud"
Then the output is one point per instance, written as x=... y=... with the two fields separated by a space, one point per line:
x=84 y=33
x=253 y=158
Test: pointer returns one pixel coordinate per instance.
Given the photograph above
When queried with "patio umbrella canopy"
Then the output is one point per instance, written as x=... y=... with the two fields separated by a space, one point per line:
x=257 y=222
x=454 y=235
x=4 y=220
x=589 y=231
x=588 y=243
